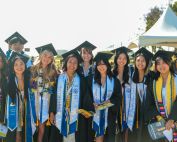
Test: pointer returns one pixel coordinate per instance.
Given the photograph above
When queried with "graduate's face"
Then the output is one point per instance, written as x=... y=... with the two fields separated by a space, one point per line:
x=72 y=65
x=162 y=67
x=140 y=63
x=1 y=63
x=122 y=60
x=46 y=59
x=101 y=67
x=86 y=56
x=18 y=47
x=19 y=66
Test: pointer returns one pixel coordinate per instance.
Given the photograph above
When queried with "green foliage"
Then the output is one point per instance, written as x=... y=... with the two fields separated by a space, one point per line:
x=174 y=7
x=152 y=17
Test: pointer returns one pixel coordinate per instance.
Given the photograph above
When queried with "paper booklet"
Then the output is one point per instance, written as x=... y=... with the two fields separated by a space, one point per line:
x=104 y=105
x=86 y=113
x=3 y=130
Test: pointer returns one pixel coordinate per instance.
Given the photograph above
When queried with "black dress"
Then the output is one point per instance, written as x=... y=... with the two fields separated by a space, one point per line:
x=3 y=93
x=116 y=99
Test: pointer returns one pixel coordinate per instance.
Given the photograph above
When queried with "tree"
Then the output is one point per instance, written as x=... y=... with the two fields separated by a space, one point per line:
x=174 y=7
x=152 y=17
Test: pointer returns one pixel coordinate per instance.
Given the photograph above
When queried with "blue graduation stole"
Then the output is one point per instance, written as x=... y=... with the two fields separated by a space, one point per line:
x=12 y=113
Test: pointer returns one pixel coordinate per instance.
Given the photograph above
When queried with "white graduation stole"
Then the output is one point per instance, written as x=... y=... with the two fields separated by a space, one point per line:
x=61 y=100
x=98 y=97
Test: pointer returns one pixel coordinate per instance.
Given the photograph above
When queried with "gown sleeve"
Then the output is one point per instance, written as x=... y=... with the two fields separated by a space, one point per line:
x=173 y=114
x=116 y=97
x=53 y=98
x=150 y=109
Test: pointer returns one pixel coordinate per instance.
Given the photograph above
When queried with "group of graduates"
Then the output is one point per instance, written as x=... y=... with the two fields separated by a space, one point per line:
x=39 y=104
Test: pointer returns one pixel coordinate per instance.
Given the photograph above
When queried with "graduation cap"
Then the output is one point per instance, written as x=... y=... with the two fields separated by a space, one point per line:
x=48 y=47
x=16 y=37
x=72 y=52
x=163 y=54
x=103 y=55
x=144 y=52
x=121 y=49
x=86 y=45
x=16 y=55
x=2 y=53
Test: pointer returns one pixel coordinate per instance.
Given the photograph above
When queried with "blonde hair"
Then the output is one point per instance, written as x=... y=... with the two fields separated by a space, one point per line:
x=50 y=72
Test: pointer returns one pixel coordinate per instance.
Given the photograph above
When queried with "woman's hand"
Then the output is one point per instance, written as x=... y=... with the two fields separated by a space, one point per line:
x=52 y=118
x=108 y=101
x=170 y=124
x=95 y=106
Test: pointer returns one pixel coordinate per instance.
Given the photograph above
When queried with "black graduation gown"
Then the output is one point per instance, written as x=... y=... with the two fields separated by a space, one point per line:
x=11 y=135
x=51 y=132
x=116 y=99
x=151 y=109
x=81 y=71
x=3 y=87
x=141 y=133
x=80 y=135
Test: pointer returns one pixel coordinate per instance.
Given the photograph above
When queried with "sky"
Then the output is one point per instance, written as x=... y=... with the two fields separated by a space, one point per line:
x=68 y=23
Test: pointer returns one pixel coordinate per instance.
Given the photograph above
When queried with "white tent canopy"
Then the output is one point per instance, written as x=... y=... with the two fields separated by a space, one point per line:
x=163 y=33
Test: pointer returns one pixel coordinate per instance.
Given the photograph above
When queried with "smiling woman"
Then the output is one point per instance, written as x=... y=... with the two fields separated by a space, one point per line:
x=42 y=92
x=18 y=101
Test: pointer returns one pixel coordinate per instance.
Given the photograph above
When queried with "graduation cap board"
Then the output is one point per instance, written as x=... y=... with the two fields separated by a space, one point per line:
x=163 y=54
x=103 y=55
x=48 y=47
x=2 y=53
x=16 y=37
x=144 y=52
x=72 y=52
x=16 y=55
x=121 y=49
x=86 y=45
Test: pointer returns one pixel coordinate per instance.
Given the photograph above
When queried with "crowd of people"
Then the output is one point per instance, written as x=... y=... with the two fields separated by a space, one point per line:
x=89 y=100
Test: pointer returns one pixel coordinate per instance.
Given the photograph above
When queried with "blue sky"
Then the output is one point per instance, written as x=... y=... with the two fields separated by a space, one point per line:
x=67 y=23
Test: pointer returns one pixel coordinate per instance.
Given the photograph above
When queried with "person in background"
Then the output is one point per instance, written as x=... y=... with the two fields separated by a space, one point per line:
x=18 y=108
x=43 y=89
x=136 y=120
x=161 y=95
x=16 y=43
x=85 y=50
x=86 y=69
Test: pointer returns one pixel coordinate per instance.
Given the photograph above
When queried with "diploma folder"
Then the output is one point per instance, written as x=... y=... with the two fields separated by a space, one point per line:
x=3 y=130
x=104 y=106
x=86 y=113
x=156 y=130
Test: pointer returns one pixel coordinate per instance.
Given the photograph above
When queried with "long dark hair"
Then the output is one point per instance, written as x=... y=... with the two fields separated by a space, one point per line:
x=97 y=76
x=169 y=62
x=4 y=68
x=126 y=68
x=64 y=68
x=13 y=89
x=136 y=73
x=3 y=78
